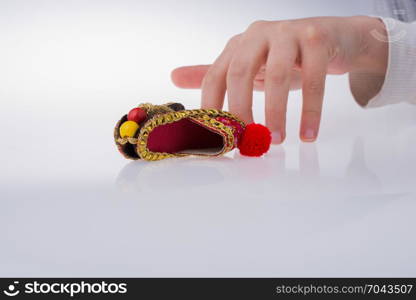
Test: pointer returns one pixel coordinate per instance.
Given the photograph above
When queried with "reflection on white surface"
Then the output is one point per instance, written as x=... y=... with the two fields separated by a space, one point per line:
x=148 y=178
x=70 y=205
x=294 y=212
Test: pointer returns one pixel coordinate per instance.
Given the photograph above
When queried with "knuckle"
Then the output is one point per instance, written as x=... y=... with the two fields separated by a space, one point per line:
x=314 y=34
x=314 y=87
x=312 y=114
x=257 y=25
x=234 y=40
x=283 y=26
x=278 y=76
x=237 y=70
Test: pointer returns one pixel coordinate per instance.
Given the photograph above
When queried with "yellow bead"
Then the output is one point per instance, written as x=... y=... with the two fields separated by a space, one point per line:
x=128 y=129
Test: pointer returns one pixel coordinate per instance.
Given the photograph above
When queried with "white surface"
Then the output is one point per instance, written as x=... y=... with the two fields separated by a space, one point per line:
x=72 y=206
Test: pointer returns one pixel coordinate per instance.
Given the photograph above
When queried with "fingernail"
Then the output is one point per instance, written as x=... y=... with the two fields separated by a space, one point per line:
x=309 y=134
x=276 y=137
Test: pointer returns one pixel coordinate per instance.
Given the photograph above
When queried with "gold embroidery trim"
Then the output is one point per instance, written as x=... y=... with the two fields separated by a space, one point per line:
x=205 y=116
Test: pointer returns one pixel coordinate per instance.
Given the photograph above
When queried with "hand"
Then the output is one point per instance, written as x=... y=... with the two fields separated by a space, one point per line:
x=277 y=56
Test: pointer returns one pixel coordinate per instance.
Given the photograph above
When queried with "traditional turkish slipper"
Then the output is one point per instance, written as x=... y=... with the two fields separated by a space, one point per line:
x=154 y=132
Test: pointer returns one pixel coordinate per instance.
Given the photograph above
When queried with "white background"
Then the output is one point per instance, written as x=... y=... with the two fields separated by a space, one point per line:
x=70 y=205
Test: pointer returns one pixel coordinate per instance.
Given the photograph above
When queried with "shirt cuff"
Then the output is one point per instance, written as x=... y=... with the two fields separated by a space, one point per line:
x=399 y=83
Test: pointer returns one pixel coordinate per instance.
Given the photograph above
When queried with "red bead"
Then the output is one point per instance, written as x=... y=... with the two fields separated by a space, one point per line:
x=137 y=115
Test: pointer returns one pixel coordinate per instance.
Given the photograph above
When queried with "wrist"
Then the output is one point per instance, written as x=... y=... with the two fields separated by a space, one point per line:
x=368 y=72
x=373 y=50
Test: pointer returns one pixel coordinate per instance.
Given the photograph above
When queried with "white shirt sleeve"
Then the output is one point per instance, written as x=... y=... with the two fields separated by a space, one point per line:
x=399 y=83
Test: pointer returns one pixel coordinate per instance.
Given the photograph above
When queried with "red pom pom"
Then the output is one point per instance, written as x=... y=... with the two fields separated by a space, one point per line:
x=255 y=140
x=137 y=115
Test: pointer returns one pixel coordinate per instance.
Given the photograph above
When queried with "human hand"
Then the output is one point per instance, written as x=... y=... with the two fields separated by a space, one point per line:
x=277 y=56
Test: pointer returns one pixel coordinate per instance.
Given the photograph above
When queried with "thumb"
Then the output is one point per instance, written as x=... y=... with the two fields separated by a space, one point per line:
x=189 y=77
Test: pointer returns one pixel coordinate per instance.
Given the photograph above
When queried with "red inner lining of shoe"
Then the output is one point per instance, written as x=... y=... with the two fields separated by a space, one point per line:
x=181 y=136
